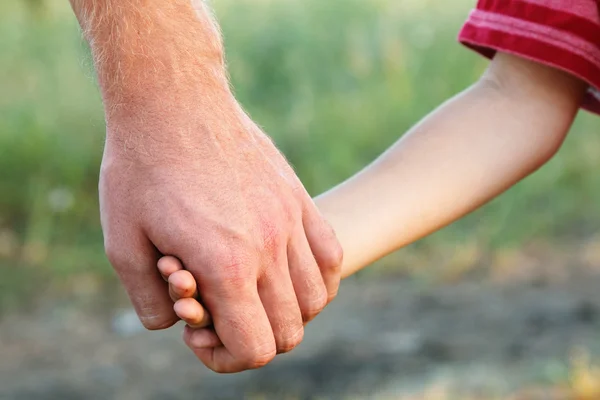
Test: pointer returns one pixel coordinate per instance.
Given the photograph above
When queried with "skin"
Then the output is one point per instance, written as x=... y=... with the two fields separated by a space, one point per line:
x=186 y=173
x=468 y=151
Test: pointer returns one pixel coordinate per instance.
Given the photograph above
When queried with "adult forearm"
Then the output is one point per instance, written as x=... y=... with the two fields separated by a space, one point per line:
x=148 y=54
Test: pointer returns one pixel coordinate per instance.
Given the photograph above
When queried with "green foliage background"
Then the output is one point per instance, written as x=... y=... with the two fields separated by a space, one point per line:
x=334 y=82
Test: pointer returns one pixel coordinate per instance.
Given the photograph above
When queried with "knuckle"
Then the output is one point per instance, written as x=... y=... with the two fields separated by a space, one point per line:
x=113 y=253
x=260 y=359
x=272 y=239
x=221 y=369
x=332 y=293
x=232 y=265
x=290 y=342
x=315 y=306
x=156 y=323
x=333 y=260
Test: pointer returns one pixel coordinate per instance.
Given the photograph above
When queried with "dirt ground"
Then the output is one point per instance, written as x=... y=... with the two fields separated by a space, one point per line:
x=379 y=339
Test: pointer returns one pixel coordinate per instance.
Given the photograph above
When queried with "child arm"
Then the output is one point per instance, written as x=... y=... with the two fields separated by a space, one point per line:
x=468 y=151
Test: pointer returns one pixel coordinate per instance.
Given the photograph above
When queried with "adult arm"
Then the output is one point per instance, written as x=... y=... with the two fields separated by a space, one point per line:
x=185 y=172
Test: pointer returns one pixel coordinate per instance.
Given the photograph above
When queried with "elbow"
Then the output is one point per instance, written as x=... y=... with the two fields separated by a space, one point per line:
x=537 y=116
x=555 y=138
x=547 y=147
x=541 y=102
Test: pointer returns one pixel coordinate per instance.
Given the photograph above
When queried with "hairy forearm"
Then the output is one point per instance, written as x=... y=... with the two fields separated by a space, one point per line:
x=468 y=151
x=150 y=54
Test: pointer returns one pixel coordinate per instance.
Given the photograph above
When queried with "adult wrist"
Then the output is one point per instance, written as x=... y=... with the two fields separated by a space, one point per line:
x=147 y=52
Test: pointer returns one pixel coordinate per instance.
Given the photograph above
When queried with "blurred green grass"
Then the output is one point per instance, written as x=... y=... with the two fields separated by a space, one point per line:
x=334 y=82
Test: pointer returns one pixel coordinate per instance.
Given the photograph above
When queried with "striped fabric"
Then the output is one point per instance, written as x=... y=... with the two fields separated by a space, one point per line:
x=561 y=33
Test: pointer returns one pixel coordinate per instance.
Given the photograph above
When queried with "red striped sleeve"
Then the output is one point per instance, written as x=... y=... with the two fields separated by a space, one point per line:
x=564 y=34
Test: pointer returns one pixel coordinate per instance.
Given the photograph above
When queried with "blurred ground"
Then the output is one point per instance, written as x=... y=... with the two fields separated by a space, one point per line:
x=380 y=339
x=490 y=307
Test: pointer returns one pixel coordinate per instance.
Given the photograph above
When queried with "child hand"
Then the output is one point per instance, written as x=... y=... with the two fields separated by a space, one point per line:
x=183 y=290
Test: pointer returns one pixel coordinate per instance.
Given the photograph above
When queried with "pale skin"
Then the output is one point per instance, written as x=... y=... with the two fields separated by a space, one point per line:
x=186 y=173
x=468 y=151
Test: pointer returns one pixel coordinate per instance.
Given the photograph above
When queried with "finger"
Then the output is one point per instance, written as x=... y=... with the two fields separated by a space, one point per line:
x=325 y=248
x=309 y=286
x=278 y=297
x=229 y=292
x=191 y=311
x=182 y=285
x=168 y=265
x=197 y=339
x=135 y=259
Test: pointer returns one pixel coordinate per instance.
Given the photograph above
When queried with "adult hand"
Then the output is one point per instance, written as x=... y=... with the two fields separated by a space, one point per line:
x=224 y=201
x=186 y=173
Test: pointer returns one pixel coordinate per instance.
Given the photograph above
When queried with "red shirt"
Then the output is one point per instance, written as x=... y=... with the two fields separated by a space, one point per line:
x=564 y=34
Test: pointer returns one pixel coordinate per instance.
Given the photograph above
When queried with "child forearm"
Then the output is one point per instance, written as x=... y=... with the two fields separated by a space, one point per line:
x=471 y=149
